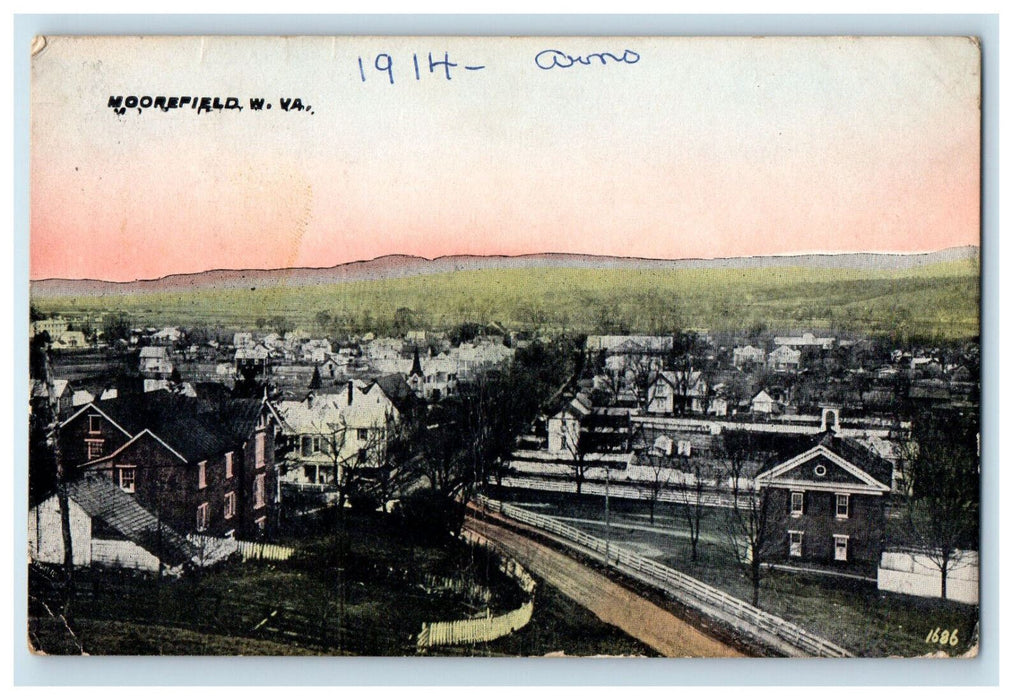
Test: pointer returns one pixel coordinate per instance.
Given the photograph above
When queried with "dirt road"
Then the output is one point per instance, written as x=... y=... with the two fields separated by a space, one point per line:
x=612 y=603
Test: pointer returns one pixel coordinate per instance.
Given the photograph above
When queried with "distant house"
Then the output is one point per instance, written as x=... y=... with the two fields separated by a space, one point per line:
x=824 y=503
x=433 y=378
x=243 y=339
x=252 y=358
x=70 y=340
x=205 y=466
x=316 y=351
x=748 y=356
x=63 y=394
x=564 y=428
x=764 y=404
x=784 y=359
x=629 y=344
x=55 y=327
x=166 y=336
x=108 y=528
x=154 y=361
x=807 y=340
x=679 y=392
x=326 y=432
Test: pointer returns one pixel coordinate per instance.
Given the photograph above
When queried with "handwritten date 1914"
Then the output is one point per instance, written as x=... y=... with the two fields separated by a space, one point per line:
x=553 y=58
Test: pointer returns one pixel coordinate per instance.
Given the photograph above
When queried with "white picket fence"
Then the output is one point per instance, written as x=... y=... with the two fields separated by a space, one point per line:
x=264 y=551
x=635 y=492
x=488 y=628
x=678 y=584
x=482 y=629
x=214 y=549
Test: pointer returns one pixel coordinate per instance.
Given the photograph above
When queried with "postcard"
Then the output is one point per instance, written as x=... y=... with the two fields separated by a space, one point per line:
x=537 y=346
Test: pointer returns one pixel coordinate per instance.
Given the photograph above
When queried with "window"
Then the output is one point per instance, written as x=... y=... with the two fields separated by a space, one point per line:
x=95 y=425
x=796 y=503
x=229 y=505
x=306 y=445
x=820 y=470
x=260 y=490
x=202 y=517
x=260 y=450
x=229 y=459
x=201 y=475
x=126 y=479
x=842 y=505
x=796 y=543
x=362 y=434
x=842 y=542
x=93 y=449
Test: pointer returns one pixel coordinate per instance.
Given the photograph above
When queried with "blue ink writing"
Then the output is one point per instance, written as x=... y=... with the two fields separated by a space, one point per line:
x=552 y=58
x=388 y=64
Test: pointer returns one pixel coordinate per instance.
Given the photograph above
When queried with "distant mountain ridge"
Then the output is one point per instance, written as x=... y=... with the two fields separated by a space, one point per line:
x=396 y=266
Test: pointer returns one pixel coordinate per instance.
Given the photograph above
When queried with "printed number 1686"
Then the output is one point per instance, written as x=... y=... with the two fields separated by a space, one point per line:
x=941 y=636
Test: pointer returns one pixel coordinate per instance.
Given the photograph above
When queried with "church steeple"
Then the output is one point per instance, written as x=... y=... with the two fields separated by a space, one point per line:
x=416 y=366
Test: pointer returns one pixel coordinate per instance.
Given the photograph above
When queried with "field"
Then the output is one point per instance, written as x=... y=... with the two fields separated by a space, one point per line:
x=852 y=614
x=935 y=300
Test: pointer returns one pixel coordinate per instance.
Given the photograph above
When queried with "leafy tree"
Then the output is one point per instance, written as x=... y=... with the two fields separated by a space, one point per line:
x=404 y=320
x=282 y=325
x=323 y=320
x=116 y=327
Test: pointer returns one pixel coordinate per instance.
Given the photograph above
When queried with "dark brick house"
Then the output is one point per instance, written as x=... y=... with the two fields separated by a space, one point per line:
x=203 y=466
x=825 y=505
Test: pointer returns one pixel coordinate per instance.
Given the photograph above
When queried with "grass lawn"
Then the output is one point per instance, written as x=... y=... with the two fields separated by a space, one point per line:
x=114 y=638
x=367 y=593
x=852 y=614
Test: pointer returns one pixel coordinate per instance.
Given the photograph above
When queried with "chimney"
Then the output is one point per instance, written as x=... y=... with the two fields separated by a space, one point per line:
x=350 y=391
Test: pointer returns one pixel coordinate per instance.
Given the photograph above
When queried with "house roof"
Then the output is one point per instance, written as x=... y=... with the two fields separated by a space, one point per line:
x=101 y=499
x=194 y=428
x=40 y=390
x=397 y=389
x=846 y=449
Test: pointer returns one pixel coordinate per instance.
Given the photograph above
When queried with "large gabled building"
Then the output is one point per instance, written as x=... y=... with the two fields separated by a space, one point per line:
x=202 y=466
x=825 y=501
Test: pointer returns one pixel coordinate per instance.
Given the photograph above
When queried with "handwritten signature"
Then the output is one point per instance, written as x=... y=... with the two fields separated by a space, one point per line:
x=552 y=58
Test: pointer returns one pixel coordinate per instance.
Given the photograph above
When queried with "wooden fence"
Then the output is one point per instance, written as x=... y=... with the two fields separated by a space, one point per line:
x=263 y=551
x=215 y=549
x=488 y=628
x=678 y=584
x=670 y=493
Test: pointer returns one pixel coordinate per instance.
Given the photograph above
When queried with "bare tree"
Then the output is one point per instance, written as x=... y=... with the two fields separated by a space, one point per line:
x=694 y=482
x=382 y=458
x=662 y=464
x=577 y=443
x=941 y=484
x=750 y=532
x=61 y=478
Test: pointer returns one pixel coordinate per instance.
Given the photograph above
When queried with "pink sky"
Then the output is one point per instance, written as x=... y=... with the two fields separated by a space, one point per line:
x=704 y=148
